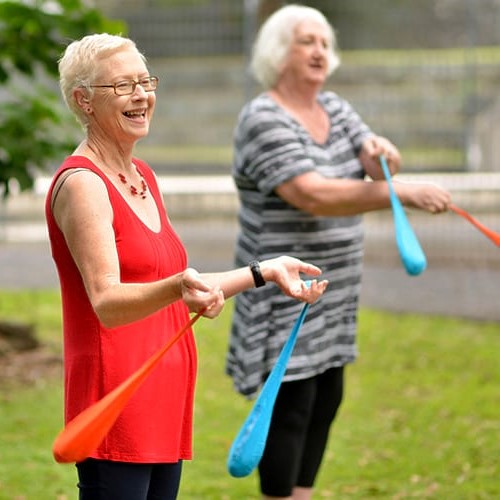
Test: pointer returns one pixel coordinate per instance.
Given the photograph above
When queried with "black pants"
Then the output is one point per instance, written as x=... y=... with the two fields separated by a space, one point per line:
x=302 y=417
x=106 y=480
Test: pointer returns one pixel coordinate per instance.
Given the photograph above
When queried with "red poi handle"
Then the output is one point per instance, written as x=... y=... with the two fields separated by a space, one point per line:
x=85 y=432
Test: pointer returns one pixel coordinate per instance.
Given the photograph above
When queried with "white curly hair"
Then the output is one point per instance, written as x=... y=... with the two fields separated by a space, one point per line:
x=275 y=37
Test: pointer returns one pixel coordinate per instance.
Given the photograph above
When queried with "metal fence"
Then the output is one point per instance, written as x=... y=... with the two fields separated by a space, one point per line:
x=208 y=27
x=423 y=73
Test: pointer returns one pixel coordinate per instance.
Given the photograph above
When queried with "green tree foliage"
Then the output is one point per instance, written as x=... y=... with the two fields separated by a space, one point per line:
x=33 y=123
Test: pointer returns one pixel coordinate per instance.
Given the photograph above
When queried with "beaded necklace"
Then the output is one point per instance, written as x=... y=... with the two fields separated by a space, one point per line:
x=133 y=190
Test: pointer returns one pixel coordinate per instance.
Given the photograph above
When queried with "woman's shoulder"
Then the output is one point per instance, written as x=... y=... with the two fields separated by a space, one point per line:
x=261 y=101
x=77 y=161
x=334 y=104
x=257 y=105
x=261 y=110
x=75 y=164
x=142 y=165
x=330 y=98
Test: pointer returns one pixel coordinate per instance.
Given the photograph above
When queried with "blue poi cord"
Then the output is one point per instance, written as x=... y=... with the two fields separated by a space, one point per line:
x=248 y=446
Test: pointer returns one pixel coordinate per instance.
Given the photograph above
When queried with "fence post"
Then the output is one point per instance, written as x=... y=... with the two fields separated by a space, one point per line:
x=250 y=9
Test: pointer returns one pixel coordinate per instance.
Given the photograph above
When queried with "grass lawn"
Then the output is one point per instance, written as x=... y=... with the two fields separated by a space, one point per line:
x=420 y=418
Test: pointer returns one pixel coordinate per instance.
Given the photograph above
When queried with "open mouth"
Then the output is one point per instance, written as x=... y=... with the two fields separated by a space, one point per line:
x=316 y=64
x=136 y=114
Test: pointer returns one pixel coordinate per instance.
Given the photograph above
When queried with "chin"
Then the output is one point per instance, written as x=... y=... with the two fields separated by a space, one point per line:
x=143 y=132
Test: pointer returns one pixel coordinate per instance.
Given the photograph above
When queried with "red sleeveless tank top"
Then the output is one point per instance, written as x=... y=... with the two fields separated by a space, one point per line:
x=156 y=424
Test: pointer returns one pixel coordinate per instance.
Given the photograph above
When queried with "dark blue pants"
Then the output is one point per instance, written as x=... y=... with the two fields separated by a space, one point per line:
x=301 y=421
x=106 y=480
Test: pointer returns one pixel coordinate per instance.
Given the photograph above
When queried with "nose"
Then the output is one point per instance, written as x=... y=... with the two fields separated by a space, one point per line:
x=319 y=47
x=139 y=91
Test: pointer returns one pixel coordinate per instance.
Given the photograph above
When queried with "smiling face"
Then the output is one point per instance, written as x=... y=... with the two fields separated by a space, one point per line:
x=123 y=118
x=307 y=59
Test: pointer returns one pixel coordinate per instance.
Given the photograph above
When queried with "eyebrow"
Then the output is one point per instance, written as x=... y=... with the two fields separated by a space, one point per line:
x=123 y=77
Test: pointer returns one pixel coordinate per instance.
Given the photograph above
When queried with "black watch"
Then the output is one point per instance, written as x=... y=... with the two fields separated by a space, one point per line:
x=257 y=275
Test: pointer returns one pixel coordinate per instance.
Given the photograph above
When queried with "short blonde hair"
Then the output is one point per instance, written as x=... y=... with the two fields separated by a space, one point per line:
x=78 y=67
x=275 y=37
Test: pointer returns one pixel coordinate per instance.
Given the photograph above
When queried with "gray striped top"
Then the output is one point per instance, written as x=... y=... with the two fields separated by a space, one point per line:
x=271 y=148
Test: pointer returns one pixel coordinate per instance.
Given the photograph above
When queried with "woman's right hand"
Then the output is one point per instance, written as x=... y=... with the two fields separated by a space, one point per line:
x=425 y=196
x=200 y=295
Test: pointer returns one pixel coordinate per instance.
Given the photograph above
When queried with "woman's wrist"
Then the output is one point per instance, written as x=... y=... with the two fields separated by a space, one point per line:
x=401 y=192
x=258 y=277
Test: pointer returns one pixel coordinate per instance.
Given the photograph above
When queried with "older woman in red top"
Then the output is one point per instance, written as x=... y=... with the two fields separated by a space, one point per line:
x=124 y=279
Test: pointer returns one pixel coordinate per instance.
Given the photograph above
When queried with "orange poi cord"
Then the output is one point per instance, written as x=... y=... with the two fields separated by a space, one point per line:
x=492 y=235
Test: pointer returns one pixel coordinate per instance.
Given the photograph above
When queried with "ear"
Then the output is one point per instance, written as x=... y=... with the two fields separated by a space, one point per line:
x=82 y=100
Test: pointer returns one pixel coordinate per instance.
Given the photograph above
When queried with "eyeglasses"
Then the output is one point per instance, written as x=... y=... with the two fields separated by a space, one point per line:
x=127 y=87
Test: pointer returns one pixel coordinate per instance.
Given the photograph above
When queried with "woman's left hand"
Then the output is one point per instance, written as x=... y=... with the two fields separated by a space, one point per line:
x=370 y=152
x=285 y=272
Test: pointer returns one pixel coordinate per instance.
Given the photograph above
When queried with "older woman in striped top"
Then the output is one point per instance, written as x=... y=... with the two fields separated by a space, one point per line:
x=303 y=158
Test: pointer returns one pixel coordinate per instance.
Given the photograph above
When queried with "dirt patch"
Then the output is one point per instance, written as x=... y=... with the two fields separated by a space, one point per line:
x=24 y=361
x=28 y=368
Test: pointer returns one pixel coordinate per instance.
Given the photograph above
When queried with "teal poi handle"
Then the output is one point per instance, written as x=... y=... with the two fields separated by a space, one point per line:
x=411 y=253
